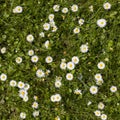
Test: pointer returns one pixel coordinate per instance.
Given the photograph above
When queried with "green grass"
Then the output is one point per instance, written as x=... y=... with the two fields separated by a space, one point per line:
x=103 y=43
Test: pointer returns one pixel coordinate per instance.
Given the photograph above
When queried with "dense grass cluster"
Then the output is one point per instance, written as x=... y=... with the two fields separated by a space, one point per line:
x=96 y=48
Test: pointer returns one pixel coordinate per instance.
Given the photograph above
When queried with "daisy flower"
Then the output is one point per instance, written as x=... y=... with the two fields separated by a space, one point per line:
x=51 y=17
x=84 y=48
x=75 y=59
x=107 y=6
x=20 y=85
x=3 y=77
x=104 y=117
x=27 y=86
x=65 y=10
x=56 y=8
x=81 y=22
x=30 y=38
x=58 y=84
x=74 y=8
x=40 y=73
x=22 y=115
x=57 y=97
x=36 y=113
x=91 y=8
x=101 y=65
x=13 y=83
x=101 y=106
x=54 y=29
x=57 y=118
x=18 y=60
x=63 y=65
x=98 y=76
x=69 y=76
x=48 y=59
x=93 y=89
x=3 y=50
x=25 y=98
x=99 y=82
x=76 y=30
x=46 y=26
x=70 y=65
x=42 y=34
x=101 y=23
x=77 y=92
x=18 y=9
x=47 y=43
x=52 y=98
x=113 y=89
x=97 y=113
x=22 y=93
x=35 y=105
x=34 y=59
x=31 y=52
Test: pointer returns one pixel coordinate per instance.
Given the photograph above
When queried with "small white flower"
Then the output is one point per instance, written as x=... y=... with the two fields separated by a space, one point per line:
x=25 y=98
x=46 y=26
x=31 y=52
x=91 y=8
x=3 y=77
x=51 y=17
x=36 y=113
x=70 y=65
x=99 y=82
x=101 y=23
x=76 y=30
x=101 y=65
x=63 y=65
x=57 y=118
x=35 y=97
x=54 y=29
x=18 y=60
x=81 y=22
x=34 y=59
x=107 y=6
x=93 y=89
x=52 y=98
x=35 y=105
x=101 y=106
x=40 y=73
x=22 y=93
x=56 y=8
x=13 y=83
x=47 y=43
x=104 y=117
x=69 y=76
x=21 y=85
x=27 y=86
x=30 y=38
x=18 y=9
x=97 y=113
x=52 y=23
x=65 y=10
x=77 y=92
x=22 y=115
x=74 y=8
x=84 y=48
x=75 y=59
x=42 y=34
x=3 y=50
x=113 y=89
x=58 y=84
x=98 y=76
x=57 y=97
x=89 y=103
x=48 y=59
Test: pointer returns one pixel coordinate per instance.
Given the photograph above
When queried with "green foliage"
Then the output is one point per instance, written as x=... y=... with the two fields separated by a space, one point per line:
x=104 y=43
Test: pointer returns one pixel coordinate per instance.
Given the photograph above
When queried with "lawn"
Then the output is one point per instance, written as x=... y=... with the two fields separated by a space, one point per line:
x=60 y=60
